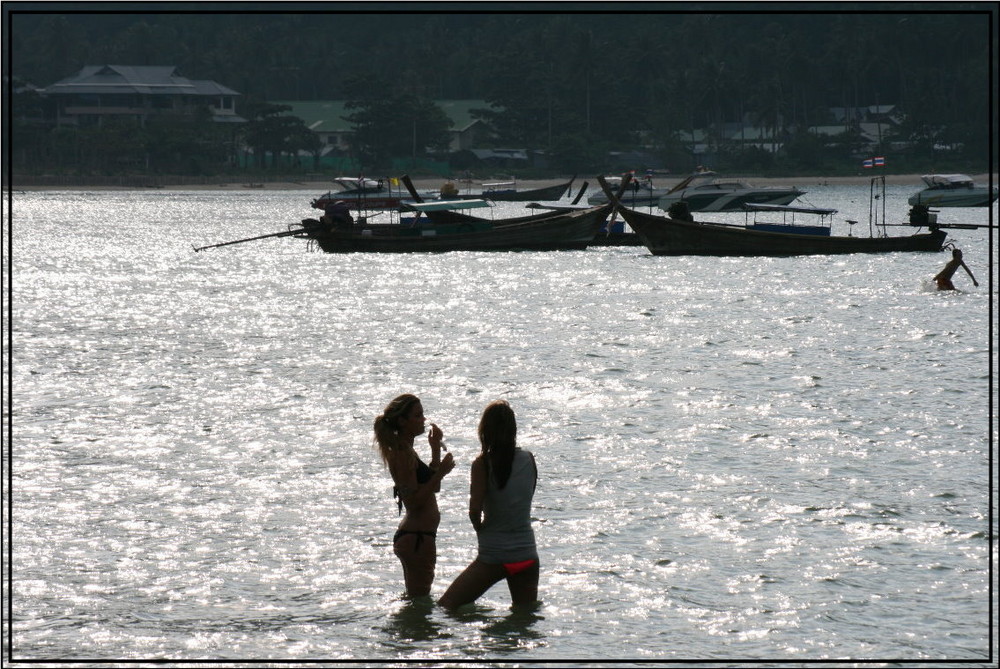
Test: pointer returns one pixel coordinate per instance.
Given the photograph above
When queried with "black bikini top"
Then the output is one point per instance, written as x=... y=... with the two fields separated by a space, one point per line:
x=424 y=474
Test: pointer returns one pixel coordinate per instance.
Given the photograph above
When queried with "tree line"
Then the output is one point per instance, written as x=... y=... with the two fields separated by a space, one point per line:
x=573 y=84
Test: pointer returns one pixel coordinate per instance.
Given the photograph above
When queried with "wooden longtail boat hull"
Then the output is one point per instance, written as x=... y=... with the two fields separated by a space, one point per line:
x=666 y=236
x=550 y=232
x=616 y=237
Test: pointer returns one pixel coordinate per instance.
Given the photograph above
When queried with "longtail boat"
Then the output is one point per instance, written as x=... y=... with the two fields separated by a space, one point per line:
x=664 y=235
x=430 y=231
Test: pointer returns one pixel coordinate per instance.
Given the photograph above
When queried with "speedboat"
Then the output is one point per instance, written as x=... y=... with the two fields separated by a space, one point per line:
x=703 y=192
x=506 y=191
x=952 y=190
x=638 y=193
x=363 y=193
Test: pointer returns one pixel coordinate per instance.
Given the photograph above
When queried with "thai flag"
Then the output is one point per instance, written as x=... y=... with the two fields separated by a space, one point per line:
x=879 y=161
x=867 y=163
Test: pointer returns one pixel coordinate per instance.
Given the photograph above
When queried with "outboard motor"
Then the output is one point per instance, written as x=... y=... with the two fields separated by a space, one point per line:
x=921 y=216
x=338 y=215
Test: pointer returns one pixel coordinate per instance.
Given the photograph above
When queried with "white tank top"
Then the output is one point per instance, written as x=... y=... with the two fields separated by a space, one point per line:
x=506 y=534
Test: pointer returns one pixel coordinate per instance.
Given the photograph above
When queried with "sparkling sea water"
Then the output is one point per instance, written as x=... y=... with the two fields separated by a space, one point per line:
x=741 y=460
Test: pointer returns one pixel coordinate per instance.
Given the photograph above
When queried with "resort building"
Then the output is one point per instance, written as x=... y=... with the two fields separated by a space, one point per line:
x=98 y=93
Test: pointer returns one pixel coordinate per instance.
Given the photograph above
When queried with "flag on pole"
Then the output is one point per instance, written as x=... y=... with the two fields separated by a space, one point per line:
x=879 y=161
x=867 y=163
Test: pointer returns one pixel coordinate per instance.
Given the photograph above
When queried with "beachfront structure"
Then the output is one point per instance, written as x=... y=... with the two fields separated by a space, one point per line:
x=327 y=119
x=99 y=93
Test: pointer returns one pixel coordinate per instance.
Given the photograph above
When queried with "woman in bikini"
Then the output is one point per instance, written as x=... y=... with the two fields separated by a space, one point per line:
x=415 y=486
x=503 y=484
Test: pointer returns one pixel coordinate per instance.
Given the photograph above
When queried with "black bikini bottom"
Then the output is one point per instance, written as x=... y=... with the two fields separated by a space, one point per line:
x=420 y=537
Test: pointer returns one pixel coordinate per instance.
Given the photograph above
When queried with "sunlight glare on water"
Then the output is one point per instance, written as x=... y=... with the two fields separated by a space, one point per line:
x=779 y=458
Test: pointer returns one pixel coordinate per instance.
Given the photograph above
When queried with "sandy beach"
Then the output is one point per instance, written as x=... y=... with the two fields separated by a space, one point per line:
x=433 y=183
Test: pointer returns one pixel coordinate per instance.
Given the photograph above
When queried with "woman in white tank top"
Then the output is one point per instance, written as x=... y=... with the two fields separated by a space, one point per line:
x=503 y=484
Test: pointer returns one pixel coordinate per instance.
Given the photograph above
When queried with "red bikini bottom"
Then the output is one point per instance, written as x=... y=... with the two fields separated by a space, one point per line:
x=513 y=568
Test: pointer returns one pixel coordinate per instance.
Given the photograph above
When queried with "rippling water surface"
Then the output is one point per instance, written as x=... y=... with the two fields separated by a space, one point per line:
x=774 y=459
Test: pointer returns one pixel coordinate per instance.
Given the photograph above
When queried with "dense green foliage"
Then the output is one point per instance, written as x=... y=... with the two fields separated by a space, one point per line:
x=575 y=84
x=394 y=125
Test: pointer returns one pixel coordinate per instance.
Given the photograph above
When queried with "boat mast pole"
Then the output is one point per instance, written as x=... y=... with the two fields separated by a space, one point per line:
x=871 y=206
x=882 y=183
x=873 y=212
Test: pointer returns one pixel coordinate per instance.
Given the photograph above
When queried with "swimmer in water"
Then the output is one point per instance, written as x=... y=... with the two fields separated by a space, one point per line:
x=943 y=278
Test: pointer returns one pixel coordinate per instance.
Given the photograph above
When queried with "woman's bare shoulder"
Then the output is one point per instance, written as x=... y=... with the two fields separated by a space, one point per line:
x=397 y=459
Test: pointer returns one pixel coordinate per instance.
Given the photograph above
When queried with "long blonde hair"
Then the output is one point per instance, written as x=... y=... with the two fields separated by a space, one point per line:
x=387 y=424
x=498 y=437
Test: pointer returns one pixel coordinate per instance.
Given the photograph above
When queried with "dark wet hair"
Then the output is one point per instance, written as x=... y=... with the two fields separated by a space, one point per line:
x=498 y=437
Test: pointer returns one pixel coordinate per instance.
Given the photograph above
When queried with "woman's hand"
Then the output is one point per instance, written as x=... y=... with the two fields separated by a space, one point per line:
x=447 y=464
x=442 y=468
x=435 y=437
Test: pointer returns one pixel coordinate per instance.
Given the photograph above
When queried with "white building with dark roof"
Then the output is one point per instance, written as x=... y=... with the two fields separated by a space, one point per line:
x=100 y=92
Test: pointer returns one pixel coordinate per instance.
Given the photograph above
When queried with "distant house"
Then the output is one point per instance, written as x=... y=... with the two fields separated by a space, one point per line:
x=752 y=136
x=501 y=157
x=101 y=92
x=466 y=131
x=872 y=125
x=867 y=114
x=327 y=120
x=697 y=142
x=869 y=132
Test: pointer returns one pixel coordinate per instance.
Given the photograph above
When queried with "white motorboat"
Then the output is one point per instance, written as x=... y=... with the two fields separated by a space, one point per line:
x=952 y=190
x=363 y=193
x=702 y=191
x=638 y=193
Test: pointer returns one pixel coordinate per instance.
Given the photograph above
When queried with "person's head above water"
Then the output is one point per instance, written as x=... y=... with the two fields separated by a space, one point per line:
x=400 y=421
x=498 y=427
x=498 y=436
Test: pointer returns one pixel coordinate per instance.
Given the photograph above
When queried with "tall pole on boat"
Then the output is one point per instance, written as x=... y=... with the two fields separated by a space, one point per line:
x=875 y=194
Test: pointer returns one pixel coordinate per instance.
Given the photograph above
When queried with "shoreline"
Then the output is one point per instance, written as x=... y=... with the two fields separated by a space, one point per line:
x=433 y=183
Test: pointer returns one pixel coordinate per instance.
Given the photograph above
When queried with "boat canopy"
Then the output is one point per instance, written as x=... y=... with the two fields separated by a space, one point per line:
x=444 y=205
x=946 y=180
x=789 y=209
x=788 y=222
